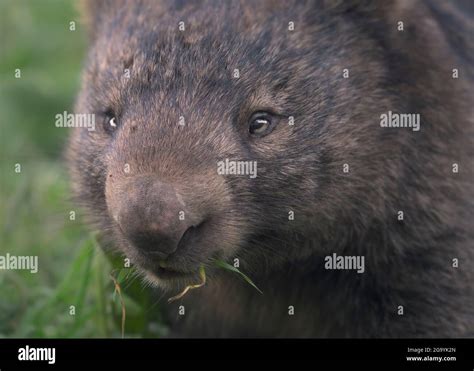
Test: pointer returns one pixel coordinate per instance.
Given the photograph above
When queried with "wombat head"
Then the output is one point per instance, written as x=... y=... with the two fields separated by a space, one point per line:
x=232 y=129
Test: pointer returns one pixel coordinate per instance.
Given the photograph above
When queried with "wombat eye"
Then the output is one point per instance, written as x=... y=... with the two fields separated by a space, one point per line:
x=261 y=123
x=110 y=122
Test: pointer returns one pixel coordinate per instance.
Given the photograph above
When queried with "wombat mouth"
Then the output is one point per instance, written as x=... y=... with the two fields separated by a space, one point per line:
x=168 y=279
x=169 y=273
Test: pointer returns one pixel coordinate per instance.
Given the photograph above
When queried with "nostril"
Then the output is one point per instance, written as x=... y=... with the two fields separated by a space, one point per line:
x=191 y=233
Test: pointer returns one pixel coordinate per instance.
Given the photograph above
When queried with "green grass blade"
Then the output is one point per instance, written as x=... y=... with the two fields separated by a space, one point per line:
x=227 y=266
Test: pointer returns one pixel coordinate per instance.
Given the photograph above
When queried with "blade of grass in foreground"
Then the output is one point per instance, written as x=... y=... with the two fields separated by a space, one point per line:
x=118 y=290
x=202 y=274
x=227 y=266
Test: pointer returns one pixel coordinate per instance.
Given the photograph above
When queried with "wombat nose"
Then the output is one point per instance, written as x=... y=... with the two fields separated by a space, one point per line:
x=153 y=218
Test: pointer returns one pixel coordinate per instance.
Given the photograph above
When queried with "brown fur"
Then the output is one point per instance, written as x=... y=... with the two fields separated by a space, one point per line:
x=293 y=73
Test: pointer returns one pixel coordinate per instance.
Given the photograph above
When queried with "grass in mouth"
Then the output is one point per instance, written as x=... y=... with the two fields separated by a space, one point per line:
x=202 y=274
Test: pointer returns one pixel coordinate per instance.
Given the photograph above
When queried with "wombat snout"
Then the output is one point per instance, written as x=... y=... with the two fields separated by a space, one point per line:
x=151 y=215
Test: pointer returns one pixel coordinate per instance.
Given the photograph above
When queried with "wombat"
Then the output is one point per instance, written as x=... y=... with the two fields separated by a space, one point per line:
x=356 y=118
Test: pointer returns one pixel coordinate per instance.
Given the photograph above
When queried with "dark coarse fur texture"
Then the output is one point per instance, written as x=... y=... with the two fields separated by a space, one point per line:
x=296 y=73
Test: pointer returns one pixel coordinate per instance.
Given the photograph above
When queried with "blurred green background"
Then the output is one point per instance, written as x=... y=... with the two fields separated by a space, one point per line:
x=35 y=37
